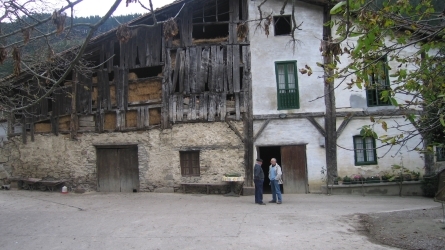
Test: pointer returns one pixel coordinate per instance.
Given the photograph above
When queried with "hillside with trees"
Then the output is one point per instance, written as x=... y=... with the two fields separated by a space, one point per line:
x=58 y=43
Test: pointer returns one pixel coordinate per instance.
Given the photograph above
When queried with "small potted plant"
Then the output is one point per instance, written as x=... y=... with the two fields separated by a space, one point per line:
x=346 y=180
x=357 y=179
x=373 y=179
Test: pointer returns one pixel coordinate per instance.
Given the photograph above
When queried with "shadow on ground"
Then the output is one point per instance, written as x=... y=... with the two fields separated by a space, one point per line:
x=409 y=229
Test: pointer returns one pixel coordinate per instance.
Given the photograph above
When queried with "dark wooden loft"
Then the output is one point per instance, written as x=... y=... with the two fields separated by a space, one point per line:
x=149 y=82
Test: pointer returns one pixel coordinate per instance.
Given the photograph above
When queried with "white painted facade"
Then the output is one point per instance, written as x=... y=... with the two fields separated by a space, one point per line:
x=265 y=51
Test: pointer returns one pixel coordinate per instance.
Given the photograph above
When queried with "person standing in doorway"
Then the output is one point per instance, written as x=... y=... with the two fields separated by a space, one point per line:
x=258 y=178
x=275 y=181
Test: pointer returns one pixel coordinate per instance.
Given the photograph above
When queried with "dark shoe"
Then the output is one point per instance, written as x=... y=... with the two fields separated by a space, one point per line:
x=279 y=202
x=262 y=203
x=272 y=201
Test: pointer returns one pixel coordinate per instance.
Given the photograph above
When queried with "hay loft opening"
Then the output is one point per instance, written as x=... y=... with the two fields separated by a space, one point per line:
x=202 y=31
x=282 y=25
x=147 y=71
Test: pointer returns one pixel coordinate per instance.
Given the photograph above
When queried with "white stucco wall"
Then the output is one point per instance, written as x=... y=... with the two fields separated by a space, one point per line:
x=265 y=51
x=387 y=155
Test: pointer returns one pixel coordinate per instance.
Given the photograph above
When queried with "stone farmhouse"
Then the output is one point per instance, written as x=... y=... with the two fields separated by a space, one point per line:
x=162 y=110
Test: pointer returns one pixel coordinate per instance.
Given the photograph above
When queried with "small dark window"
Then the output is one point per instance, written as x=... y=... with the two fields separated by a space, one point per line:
x=283 y=25
x=440 y=153
x=377 y=92
x=189 y=163
x=364 y=150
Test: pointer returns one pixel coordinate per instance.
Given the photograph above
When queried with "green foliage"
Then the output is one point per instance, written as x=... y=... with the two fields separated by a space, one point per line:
x=346 y=180
x=386 y=176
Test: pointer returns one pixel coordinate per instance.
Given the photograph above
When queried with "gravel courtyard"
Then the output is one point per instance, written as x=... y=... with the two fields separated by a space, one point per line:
x=45 y=220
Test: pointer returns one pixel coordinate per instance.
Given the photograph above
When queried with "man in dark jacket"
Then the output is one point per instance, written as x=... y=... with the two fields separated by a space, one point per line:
x=258 y=178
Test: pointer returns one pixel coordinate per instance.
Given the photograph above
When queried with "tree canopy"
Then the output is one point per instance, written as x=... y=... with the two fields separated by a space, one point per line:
x=410 y=33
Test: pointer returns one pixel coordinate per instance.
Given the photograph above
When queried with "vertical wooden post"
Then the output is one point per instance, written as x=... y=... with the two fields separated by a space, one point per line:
x=74 y=123
x=23 y=129
x=11 y=119
x=166 y=85
x=248 y=124
x=31 y=126
x=234 y=19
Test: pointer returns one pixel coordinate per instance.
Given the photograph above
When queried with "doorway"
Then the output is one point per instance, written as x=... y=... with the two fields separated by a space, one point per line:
x=267 y=153
x=292 y=160
x=117 y=169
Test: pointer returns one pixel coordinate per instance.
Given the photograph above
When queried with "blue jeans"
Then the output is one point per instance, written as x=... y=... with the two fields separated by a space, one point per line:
x=276 y=192
x=258 y=191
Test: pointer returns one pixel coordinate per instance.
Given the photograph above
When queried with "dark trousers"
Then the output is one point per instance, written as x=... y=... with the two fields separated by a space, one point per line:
x=258 y=191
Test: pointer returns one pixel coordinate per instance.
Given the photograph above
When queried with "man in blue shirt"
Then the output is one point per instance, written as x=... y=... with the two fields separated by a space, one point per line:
x=275 y=181
x=258 y=178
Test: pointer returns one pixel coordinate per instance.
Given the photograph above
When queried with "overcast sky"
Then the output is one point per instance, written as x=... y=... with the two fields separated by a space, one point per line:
x=100 y=7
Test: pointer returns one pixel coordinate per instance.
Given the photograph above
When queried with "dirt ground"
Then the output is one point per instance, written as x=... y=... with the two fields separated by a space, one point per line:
x=409 y=229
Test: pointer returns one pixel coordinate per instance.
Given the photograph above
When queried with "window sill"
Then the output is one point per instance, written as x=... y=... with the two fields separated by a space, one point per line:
x=365 y=163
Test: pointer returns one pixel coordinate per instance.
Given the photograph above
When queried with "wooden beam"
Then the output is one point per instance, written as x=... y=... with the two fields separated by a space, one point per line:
x=390 y=112
x=237 y=107
x=54 y=124
x=235 y=130
x=316 y=125
x=204 y=70
x=23 y=129
x=31 y=129
x=343 y=124
x=74 y=123
x=187 y=77
x=383 y=112
x=236 y=69
x=263 y=126
x=234 y=19
x=229 y=61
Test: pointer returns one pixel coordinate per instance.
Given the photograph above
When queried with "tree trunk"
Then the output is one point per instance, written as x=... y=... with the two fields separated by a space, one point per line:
x=329 y=98
x=428 y=156
x=428 y=159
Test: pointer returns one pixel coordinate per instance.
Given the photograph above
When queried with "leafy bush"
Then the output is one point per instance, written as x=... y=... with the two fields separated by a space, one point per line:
x=346 y=180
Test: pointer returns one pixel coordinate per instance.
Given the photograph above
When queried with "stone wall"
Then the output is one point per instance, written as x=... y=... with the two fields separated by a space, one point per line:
x=58 y=157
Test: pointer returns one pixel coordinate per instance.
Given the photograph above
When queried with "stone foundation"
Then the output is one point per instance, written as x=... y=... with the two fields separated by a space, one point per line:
x=58 y=157
x=409 y=188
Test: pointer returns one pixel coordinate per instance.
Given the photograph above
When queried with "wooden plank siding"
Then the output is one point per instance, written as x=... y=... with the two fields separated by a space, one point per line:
x=202 y=82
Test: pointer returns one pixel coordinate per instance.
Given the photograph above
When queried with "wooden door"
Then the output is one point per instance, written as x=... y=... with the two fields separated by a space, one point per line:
x=117 y=169
x=293 y=163
x=128 y=169
x=107 y=170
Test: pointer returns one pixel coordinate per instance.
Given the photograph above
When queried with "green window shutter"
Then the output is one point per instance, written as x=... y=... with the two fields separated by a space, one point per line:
x=287 y=85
